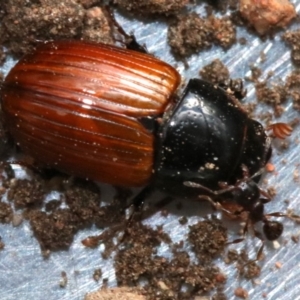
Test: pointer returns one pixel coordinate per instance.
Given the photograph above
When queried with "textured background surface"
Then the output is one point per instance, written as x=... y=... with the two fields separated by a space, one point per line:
x=24 y=274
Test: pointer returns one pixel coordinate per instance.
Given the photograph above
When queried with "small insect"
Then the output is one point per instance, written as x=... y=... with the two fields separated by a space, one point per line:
x=110 y=114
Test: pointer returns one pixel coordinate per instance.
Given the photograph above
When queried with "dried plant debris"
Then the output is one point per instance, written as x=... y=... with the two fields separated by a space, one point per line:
x=275 y=95
x=108 y=215
x=208 y=239
x=250 y=270
x=189 y=34
x=215 y=72
x=256 y=73
x=55 y=227
x=96 y=26
x=232 y=256
x=293 y=87
x=119 y=293
x=223 y=5
x=217 y=296
x=52 y=205
x=2 y=58
x=265 y=15
x=25 y=192
x=53 y=231
x=6 y=212
x=224 y=31
x=22 y=26
x=271 y=93
x=137 y=263
x=192 y=33
x=84 y=199
x=147 y=7
x=292 y=38
x=247 y=268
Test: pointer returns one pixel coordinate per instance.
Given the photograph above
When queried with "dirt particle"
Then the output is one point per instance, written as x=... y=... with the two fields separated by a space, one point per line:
x=120 y=293
x=183 y=220
x=292 y=40
x=6 y=212
x=97 y=274
x=24 y=26
x=83 y=199
x=270 y=167
x=137 y=260
x=250 y=270
x=208 y=239
x=295 y=238
x=241 y=293
x=191 y=33
x=26 y=193
x=2 y=245
x=150 y=7
x=64 y=280
x=97 y=27
x=232 y=256
x=292 y=84
x=274 y=95
x=215 y=72
x=266 y=15
x=17 y=220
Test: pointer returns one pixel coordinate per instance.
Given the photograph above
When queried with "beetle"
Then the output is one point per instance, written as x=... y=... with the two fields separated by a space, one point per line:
x=109 y=114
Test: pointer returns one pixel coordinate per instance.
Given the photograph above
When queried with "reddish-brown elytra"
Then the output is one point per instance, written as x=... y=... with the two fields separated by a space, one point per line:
x=78 y=106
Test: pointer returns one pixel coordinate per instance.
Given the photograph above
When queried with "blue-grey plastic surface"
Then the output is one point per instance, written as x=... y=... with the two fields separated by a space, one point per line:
x=25 y=274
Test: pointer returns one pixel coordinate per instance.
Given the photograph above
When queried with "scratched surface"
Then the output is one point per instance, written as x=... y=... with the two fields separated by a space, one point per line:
x=24 y=274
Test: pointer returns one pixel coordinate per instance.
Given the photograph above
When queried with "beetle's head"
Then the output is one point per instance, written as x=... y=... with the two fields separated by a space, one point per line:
x=249 y=196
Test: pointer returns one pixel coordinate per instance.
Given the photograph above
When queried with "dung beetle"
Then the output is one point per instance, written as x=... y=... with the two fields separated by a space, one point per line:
x=109 y=114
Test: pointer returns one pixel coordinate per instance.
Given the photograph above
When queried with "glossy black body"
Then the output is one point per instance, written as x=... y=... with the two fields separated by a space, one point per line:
x=206 y=139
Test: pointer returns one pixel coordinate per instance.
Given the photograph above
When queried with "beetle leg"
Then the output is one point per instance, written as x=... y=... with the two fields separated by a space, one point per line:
x=138 y=203
x=227 y=188
x=293 y=217
x=139 y=199
x=218 y=205
x=259 y=256
x=258 y=235
x=245 y=231
x=215 y=205
x=266 y=198
x=130 y=40
x=198 y=186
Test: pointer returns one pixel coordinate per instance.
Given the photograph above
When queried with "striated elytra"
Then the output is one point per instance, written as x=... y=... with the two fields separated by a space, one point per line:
x=109 y=114
x=76 y=106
